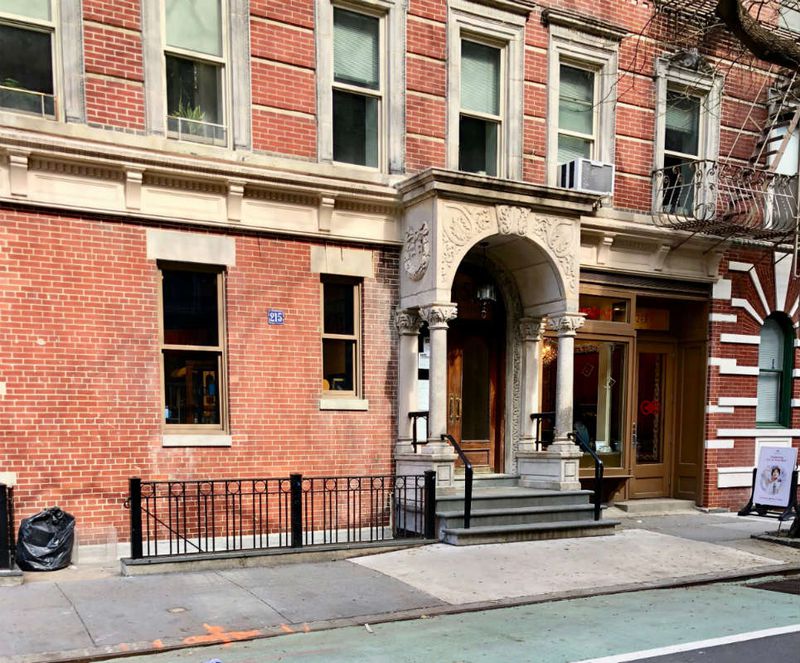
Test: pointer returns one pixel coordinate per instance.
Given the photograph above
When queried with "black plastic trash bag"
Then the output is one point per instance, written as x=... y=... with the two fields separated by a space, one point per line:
x=45 y=541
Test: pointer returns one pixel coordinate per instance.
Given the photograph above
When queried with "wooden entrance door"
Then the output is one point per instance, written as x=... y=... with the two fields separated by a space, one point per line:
x=474 y=392
x=653 y=417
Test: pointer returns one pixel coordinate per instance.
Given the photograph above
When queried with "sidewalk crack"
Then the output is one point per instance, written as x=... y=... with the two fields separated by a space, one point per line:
x=80 y=617
x=255 y=596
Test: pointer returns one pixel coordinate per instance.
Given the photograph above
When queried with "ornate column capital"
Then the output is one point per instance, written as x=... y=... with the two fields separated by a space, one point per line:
x=438 y=315
x=407 y=321
x=566 y=324
x=531 y=329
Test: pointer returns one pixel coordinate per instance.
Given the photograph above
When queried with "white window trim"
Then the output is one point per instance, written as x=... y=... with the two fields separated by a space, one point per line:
x=66 y=25
x=595 y=52
x=707 y=86
x=236 y=89
x=391 y=122
x=505 y=30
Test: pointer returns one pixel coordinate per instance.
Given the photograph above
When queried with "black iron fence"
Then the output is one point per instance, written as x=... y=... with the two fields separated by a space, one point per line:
x=7 y=539
x=225 y=515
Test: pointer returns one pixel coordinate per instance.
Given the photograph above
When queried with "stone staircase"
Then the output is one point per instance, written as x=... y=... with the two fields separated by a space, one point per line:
x=502 y=511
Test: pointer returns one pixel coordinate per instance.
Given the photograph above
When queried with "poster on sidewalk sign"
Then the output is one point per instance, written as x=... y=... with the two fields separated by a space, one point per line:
x=774 y=476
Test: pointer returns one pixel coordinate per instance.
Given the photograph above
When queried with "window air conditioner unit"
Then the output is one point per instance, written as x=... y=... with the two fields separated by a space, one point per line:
x=587 y=176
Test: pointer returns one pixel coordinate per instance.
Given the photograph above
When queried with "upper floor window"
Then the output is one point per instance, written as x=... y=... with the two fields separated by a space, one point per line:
x=480 y=118
x=341 y=336
x=193 y=334
x=576 y=113
x=27 y=34
x=357 y=87
x=681 y=151
x=194 y=56
x=775 y=362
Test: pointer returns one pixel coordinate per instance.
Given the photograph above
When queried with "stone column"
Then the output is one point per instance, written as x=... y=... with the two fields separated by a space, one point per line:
x=566 y=325
x=531 y=330
x=437 y=316
x=408 y=323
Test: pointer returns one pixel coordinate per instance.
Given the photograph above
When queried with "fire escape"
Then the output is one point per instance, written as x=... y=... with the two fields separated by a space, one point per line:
x=731 y=197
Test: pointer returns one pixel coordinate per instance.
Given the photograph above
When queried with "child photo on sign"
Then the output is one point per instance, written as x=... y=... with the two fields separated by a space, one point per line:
x=771 y=480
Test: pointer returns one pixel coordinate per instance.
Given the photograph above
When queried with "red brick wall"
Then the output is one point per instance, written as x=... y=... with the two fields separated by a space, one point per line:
x=80 y=359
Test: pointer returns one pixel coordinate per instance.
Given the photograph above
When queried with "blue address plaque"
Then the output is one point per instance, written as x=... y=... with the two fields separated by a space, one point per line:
x=275 y=317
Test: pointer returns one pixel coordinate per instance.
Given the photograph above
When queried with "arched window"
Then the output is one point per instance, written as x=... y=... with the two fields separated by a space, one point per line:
x=775 y=361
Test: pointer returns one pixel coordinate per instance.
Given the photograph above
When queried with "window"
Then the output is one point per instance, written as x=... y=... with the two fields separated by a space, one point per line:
x=582 y=92
x=480 y=122
x=27 y=33
x=194 y=57
x=789 y=15
x=681 y=151
x=775 y=361
x=341 y=334
x=357 y=88
x=687 y=136
x=192 y=347
x=576 y=121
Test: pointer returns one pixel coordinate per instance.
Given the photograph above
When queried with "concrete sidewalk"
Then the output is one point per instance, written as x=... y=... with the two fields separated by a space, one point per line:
x=90 y=612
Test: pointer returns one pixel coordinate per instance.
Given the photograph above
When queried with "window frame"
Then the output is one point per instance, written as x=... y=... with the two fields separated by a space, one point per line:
x=357 y=393
x=593 y=138
x=707 y=86
x=489 y=25
x=220 y=62
x=379 y=93
x=785 y=372
x=221 y=348
x=66 y=53
x=574 y=45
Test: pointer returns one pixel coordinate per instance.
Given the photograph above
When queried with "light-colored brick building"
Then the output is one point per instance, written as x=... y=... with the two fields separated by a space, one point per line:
x=245 y=238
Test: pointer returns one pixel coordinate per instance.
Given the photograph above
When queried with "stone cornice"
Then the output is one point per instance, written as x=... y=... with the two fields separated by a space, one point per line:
x=455 y=185
x=582 y=23
x=520 y=7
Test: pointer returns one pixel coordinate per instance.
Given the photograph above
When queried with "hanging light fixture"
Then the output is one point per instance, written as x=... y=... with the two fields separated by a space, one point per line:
x=486 y=293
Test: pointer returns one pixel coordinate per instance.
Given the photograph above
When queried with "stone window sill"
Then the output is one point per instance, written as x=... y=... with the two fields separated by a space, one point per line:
x=197 y=440
x=353 y=404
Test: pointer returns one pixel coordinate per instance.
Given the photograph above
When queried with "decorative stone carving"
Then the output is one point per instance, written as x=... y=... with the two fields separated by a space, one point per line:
x=417 y=251
x=531 y=329
x=460 y=229
x=438 y=315
x=408 y=322
x=566 y=324
x=512 y=220
x=558 y=236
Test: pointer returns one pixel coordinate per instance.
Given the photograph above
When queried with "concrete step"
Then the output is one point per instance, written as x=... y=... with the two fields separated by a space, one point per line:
x=655 y=506
x=488 y=480
x=516 y=515
x=503 y=497
x=530 y=532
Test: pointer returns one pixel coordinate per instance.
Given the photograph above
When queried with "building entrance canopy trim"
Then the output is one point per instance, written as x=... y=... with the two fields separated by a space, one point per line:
x=726 y=200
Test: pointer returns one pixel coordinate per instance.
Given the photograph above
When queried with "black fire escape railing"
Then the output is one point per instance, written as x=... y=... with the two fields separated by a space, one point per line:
x=467 y=477
x=7 y=544
x=169 y=518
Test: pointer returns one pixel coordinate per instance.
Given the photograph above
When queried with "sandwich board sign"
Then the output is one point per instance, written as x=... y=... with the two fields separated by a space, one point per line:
x=774 y=484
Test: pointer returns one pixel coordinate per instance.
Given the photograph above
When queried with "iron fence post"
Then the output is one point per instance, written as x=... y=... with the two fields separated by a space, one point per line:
x=430 y=504
x=296 y=509
x=6 y=528
x=135 y=497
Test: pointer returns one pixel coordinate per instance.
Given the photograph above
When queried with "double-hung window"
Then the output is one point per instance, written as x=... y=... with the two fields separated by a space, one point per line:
x=775 y=352
x=681 y=151
x=357 y=87
x=576 y=113
x=480 y=119
x=194 y=58
x=192 y=346
x=341 y=336
x=27 y=56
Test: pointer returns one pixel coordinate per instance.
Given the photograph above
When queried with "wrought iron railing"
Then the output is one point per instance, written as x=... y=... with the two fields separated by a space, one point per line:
x=416 y=417
x=725 y=199
x=7 y=538
x=171 y=518
x=538 y=419
x=583 y=443
x=467 y=477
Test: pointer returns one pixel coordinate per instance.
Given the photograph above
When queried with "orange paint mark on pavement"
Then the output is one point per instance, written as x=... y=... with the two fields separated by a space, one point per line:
x=286 y=629
x=218 y=634
x=158 y=644
x=306 y=628
x=123 y=647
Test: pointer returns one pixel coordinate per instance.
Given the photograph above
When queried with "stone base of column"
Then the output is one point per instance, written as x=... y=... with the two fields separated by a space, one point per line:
x=527 y=445
x=554 y=469
x=442 y=463
x=403 y=447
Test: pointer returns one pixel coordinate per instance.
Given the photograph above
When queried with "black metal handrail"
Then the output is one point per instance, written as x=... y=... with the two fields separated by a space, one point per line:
x=598 y=469
x=416 y=416
x=467 y=477
x=7 y=543
x=537 y=418
x=225 y=515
